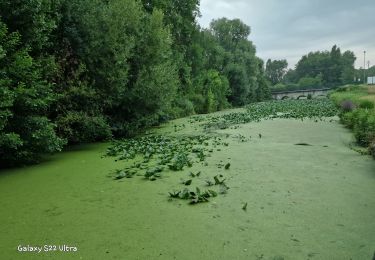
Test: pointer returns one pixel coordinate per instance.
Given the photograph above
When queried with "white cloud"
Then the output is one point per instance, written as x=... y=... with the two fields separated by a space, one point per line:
x=290 y=29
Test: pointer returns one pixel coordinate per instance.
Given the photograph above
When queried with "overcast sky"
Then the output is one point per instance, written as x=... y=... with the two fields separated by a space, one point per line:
x=288 y=29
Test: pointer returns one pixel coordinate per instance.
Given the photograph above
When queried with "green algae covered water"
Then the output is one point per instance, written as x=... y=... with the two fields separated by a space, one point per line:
x=313 y=201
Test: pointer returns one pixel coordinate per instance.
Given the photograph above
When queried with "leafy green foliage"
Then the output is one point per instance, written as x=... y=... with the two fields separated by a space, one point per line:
x=319 y=69
x=195 y=197
x=357 y=114
x=25 y=131
x=327 y=68
x=120 y=174
x=231 y=52
x=173 y=152
x=364 y=126
x=78 y=127
x=297 y=109
x=276 y=70
x=33 y=20
x=87 y=70
x=366 y=104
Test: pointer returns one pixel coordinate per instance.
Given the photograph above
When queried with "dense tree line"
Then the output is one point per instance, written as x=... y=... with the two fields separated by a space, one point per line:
x=314 y=70
x=74 y=71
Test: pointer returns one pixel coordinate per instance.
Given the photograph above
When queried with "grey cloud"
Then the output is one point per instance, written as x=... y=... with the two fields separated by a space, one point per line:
x=290 y=29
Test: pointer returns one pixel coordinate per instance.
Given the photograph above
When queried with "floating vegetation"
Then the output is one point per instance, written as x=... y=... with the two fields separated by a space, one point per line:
x=120 y=174
x=241 y=138
x=176 y=153
x=219 y=181
x=178 y=162
x=152 y=156
x=154 y=173
x=187 y=183
x=195 y=197
x=195 y=174
x=298 y=109
x=223 y=189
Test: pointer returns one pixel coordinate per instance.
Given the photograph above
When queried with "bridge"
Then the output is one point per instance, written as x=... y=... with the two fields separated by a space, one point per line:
x=301 y=94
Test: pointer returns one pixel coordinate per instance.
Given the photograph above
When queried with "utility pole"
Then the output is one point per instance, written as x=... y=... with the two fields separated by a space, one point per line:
x=364 y=67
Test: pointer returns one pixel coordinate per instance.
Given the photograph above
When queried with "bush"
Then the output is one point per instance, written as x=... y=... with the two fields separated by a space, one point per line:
x=78 y=127
x=347 y=106
x=347 y=119
x=364 y=126
x=183 y=107
x=25 y=131
x=198 y=102
x=366 y=104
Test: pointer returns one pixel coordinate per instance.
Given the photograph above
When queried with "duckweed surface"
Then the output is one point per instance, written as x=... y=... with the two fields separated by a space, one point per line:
x=280 y=200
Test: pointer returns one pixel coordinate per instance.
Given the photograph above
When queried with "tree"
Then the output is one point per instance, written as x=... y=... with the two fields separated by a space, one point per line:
x=229 y=33
x=348 y=71
x=25 y=132
x=240 y=65
x=336 y=68
x=33 y=20
x=87 y=70
x=276 y=70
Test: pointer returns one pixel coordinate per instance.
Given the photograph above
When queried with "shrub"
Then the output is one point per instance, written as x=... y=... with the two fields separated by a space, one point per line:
x=183 y=107
x=26 y=134
x=78 y=127
x=364 y=126
x=347 y=106
x=347 y=119
x=211 y=102
x=366 y=104
x=342 y=89
x=199 y=103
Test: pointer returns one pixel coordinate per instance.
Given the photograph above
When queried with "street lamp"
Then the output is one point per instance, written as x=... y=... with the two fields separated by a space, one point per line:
x=364 y=67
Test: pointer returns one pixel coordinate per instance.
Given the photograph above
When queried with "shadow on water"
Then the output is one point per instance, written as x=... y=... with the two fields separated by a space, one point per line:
x=49 y=159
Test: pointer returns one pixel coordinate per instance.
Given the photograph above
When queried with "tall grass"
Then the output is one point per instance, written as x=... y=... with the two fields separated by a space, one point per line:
x=361 y=115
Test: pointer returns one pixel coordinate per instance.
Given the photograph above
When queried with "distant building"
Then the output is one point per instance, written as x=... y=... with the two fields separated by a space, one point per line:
x=370 y=80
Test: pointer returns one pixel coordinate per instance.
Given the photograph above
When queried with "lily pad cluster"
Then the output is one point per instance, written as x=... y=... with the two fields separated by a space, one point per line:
x=195 y=197
x=198 y=196
x=152 y=155
x=296 y=109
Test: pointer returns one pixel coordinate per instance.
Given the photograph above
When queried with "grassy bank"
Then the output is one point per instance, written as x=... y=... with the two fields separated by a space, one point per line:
x=357 y=94
x=357 y=104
